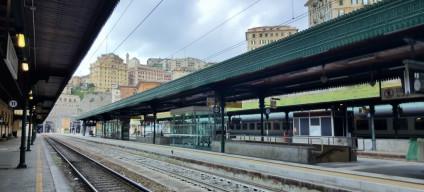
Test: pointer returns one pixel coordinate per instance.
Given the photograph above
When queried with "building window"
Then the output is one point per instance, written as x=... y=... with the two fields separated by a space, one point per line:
x=260 y=35
x=340 y=12
x=253 y=35
x=252 y=42
x=266 y=34
x=341 y=2
x=258 y=126
x=276 y=34
x=354 y=2
x=271 y=34
x=365 y=2
x=282 y=34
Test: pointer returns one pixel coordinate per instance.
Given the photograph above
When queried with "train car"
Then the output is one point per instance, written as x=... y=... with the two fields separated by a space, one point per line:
x=335 y=123
x=410 y=122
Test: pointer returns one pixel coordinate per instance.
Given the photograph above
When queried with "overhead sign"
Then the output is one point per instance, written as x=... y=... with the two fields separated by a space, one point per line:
x=394 y=93
x=11 y=58
x=13 y=104
x=210 y=101
x=413 y=77
x=233 y=105
x=273 y=104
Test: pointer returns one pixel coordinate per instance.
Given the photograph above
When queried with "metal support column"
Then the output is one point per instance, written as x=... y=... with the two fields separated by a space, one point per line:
x=84 y=127
x=222 y=102
x=372 y=111
x=154 y=126
x=29 y=131
x=262 y=108
x=34 y=127
x=24 y=121
x=395 y=109
x=125 y=128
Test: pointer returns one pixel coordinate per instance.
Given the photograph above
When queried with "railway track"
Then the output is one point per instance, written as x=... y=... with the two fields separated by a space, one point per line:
x=204 y=180
x=96 y=176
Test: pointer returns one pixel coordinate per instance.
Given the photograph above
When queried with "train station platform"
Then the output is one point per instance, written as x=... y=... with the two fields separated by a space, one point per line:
x=364 y=175
x=41 y=174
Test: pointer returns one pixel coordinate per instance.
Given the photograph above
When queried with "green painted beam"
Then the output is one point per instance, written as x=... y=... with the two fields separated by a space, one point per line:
x=369 y=22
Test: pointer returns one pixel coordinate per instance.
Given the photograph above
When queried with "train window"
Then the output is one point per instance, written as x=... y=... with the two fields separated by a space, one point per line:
x=251 y=126
x=403 y=124
x=314 y=121
x=268 y=126
x=258 y=126
x=419 y=123
x=238 y=126
x=362 y=124
x=244 y=126
x=380 y=124
x=277 y=126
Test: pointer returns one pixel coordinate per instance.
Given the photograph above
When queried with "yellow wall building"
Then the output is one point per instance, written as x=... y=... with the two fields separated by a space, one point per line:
x=320 y=11
x=260 y=36
x=108 y=70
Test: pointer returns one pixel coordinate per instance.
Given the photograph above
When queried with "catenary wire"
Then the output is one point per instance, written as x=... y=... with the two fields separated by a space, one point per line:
x=245 y=41
x=210 y=31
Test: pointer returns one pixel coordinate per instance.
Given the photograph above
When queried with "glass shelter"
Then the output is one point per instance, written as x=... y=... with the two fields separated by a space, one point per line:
x=194 y=127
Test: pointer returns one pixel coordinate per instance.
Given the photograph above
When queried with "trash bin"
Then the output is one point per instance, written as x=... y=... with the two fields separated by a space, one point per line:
x=420 y=149
x=412 y=151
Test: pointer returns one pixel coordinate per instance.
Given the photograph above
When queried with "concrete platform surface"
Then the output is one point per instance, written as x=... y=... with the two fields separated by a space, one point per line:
x=41 y=173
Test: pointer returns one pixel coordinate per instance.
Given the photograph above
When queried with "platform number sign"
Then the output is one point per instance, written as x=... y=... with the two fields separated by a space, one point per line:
x=216 y=109
x=418 y=82
x=13 y=104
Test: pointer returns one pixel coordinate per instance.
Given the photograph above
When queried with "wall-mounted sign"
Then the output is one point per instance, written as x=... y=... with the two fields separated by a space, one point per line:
x=11 y=58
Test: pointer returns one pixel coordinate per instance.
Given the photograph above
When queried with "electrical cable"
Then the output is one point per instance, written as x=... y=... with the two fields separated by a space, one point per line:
x=138 y=25
x=210 y=31
x=245 y=41
x=111 y=29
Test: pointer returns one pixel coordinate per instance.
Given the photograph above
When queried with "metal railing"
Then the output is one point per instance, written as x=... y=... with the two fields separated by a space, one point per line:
x=309 y=140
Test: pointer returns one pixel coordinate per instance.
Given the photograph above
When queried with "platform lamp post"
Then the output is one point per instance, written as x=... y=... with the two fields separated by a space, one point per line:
x=24 y=119
x=29 y=131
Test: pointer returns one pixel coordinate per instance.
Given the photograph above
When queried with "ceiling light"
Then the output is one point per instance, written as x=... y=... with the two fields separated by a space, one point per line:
x=21 y=40
x=30 y=92
x=25 y=66
x=31 y=97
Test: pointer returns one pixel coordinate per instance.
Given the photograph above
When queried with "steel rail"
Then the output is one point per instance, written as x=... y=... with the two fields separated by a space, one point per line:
x=92 y=188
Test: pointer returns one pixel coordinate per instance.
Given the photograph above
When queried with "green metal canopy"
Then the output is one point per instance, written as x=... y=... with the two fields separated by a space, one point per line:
x=363 y=46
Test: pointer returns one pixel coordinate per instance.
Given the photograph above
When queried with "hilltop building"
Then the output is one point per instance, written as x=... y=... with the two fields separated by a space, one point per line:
x=108 y=70
x=260 y=36
x=321 y=11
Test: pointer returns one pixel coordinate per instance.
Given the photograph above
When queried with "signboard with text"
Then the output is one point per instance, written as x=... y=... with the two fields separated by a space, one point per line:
x=394 y=93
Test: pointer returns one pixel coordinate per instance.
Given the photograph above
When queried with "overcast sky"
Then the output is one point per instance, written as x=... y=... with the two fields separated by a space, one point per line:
x=176 y=23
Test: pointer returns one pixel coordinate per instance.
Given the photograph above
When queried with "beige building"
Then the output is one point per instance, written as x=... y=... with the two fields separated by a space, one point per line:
x=324 y=10
x=146 y=73
x=108 y=70
x=181 y=72
x=260 y=36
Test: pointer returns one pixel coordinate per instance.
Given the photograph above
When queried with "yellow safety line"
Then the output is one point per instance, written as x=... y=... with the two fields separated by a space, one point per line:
x=39 y=184
x=311 y=170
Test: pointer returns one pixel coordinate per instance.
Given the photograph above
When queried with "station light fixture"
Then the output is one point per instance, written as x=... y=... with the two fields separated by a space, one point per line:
x=25 y=66
x=31 y=97
x=21 y=40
